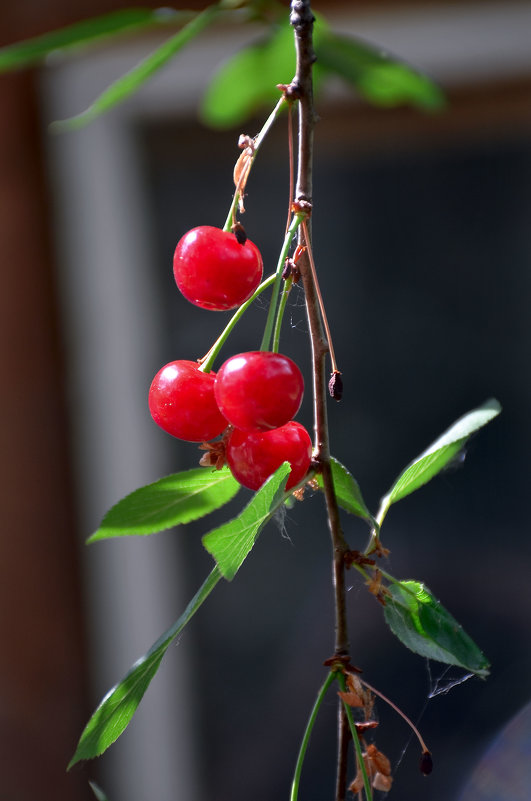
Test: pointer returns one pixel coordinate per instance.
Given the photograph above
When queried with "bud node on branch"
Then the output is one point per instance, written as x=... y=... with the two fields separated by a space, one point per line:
x=301 y=14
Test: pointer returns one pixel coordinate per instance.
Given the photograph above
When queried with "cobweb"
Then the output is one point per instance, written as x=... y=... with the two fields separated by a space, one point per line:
x=279 y=519
x=446 y=680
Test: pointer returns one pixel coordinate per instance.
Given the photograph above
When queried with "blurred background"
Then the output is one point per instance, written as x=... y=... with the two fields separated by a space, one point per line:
x=423 y=242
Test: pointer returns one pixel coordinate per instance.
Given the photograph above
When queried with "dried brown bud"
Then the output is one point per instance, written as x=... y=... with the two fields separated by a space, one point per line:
x=356 y=695
x=243 y=167
x=357 y=785
x=426 y=763
x=374 y=584
x=378 y=760
x=290 y=90
x=356 y=558
x=378 y=548
x=291 y=271
x=301 y=206
x=239 y=232
x=288 y=266
x=335 y=386
x=215 y=454
x=382 y=782
x=351 y=698
x=244 y=140
x=365 y=726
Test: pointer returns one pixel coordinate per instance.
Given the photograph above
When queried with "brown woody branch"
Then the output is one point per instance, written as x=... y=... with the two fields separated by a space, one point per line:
x=301 y=88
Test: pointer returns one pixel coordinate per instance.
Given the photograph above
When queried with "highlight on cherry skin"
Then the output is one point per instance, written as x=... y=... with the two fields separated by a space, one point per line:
x=259 y=390
x=182 y=402
x=253 y=456
x=214 y=271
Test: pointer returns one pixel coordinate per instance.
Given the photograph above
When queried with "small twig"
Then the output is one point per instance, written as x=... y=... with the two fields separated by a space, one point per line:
x=290 y=148
x=320 y=297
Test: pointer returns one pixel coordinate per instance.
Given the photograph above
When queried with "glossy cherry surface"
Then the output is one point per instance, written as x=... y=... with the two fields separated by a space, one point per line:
x=259 y=390
x=253 y=456
x=214 y=271
x=182 y=402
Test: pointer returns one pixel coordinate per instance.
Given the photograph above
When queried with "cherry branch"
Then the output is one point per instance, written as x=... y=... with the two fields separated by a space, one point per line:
x=301 y=89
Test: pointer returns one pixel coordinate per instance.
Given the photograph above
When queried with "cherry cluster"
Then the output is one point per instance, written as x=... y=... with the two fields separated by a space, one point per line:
x=254 y=396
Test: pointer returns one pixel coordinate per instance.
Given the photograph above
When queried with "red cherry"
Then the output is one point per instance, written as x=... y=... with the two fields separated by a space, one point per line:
x=181 y=401
x=253 y=456
x=259 y=390
x=214 y=271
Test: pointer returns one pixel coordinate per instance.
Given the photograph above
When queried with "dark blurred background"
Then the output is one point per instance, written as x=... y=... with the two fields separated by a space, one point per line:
x=423 y=243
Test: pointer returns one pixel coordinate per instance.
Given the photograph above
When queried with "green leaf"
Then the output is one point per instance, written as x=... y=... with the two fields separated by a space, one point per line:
x=348 y=492
x=248 y=80
x=133 y=80
x=172 y=500
x=379 y=77
x=98 y=792
x=119 y=705
x=424 y=626
x=229 y=544
x=439 y=454
x=90 y=31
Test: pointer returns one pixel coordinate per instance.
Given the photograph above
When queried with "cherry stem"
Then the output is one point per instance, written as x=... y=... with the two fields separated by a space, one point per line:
x=272 y=313
x=208 y=359
x=259 y=138
x=288 y=281
x=319 y=297
x=280 y=314
x=306 y=737
x=398 y=711
x=373 y=538
x=290 y=150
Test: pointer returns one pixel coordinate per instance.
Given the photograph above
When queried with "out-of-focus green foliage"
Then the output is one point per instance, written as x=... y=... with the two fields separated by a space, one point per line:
x=87 y=32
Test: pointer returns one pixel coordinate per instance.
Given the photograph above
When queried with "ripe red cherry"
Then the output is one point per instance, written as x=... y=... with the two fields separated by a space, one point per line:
x=253 y=456
x=214 y=271
x=181 y=401
x=259 y=390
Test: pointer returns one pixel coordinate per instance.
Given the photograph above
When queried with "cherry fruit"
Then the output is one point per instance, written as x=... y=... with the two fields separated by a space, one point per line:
x=214 y=271
x=182 y=402
x=259 y=390
x=253 y=456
